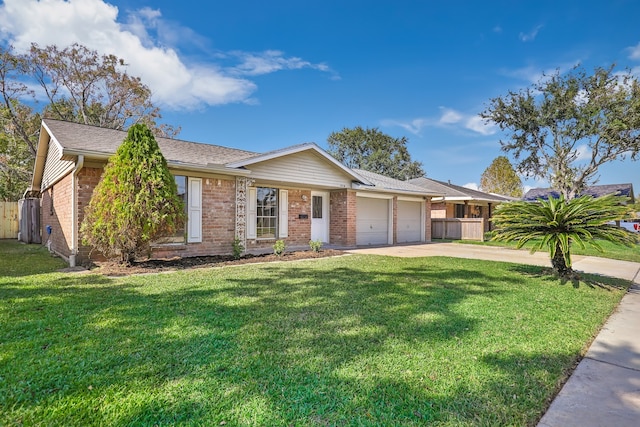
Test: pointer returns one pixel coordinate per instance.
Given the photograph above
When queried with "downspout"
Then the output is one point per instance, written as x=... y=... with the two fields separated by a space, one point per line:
x=74 y=210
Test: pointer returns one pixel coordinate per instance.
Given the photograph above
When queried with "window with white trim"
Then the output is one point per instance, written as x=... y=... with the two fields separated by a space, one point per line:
x=267 y=213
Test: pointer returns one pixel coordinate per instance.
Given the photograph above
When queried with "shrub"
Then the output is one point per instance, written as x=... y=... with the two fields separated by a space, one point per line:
x=557 y=224
x=315 y=245
x=238 y=248
x=279 y=247
x=135 y=202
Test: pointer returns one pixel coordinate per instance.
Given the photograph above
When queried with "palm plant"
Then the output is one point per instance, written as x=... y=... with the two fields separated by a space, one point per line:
x=556 y=224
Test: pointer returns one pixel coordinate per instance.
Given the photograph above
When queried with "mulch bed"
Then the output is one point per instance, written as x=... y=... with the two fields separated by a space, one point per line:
x=108 y=268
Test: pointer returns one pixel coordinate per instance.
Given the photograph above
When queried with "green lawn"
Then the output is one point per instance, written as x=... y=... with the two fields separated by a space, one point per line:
x=355 y=340
x=611 y=250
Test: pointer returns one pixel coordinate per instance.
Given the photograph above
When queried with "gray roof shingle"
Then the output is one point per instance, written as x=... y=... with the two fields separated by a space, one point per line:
x=457 y=191
x=384 y=182
x=93 y=139
x=594 y=191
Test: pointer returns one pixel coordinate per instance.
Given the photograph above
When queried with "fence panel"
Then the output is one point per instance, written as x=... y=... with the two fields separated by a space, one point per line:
x=457 y=228
x=9 y=220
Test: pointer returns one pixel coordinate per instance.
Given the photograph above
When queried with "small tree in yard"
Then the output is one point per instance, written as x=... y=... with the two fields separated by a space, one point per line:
x=135 y=202
x=557 y=224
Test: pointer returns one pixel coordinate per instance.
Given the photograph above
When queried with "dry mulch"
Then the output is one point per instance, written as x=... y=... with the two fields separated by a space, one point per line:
x=109 y=268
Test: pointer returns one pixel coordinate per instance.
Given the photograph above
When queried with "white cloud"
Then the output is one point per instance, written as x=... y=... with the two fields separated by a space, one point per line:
x=583 y=152
x=414 y=126
x=531 y=35
x=536 y=74
x=478 y=124
x=147 y=43
x=634 y=52
x=472 y=186
x=449 y=118
x=254 y=64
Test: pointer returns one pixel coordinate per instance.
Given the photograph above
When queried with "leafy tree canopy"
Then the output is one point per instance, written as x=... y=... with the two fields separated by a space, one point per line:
x=501 y=178
x=135 y=202
x=566 y=126
x=78 y=85
x=374 y=151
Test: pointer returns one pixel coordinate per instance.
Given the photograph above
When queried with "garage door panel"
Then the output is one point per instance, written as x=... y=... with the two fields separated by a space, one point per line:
x=372 y=221
x=409 y=225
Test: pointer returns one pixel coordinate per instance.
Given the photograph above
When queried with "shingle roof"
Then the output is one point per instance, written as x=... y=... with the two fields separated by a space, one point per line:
x=93 y=139
x=456 y=191
x=386 y=183
x=594 y=191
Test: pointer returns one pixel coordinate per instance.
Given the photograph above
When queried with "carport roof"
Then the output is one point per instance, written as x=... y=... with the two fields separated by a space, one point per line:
x=457 y=192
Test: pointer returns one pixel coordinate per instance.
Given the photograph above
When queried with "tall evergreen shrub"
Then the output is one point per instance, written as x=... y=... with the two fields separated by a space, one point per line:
x=135 y=202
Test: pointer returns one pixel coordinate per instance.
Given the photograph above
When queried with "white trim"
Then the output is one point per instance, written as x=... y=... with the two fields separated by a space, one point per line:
x=194 y=210
x=410 y=199
x=374 y=195
x=252 y=213
x=283 y=213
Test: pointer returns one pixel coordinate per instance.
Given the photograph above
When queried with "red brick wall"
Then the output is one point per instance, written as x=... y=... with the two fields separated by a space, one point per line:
x=88 y=179
x=55 y=211
x=427 y=228
x=342 y=218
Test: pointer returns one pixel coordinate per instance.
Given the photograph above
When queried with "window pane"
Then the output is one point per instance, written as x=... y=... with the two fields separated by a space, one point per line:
x=316 y=206
x=180 y=234
x=267 y=212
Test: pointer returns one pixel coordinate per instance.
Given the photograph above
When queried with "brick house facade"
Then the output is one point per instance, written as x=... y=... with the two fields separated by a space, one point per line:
x=311 y=195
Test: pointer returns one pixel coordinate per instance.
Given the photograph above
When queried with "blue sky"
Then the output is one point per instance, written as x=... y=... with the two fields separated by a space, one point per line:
x=262 y=75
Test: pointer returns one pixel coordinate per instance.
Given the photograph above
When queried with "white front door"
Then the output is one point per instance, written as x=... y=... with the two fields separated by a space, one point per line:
x=320 y=216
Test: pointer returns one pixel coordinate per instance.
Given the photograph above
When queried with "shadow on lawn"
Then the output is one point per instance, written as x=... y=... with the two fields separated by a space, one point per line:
x=584 y=279
x=290 y=345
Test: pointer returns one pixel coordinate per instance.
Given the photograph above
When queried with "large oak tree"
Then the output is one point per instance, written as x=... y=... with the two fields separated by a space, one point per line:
x=564 y=127
x=374 y=151
x=77 y=84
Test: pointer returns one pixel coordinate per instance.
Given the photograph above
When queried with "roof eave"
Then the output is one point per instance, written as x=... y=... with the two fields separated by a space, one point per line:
x=210 y=168
x=359 y=187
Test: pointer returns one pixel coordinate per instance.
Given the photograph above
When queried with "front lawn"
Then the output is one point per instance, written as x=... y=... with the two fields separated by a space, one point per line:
x=354 y=340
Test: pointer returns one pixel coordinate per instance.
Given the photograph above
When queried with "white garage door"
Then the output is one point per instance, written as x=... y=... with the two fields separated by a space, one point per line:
x=372 y=223
x=409 y=222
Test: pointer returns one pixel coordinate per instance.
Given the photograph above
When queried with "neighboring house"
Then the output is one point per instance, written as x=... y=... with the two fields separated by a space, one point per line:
x=594 y=191
x=297 y=194
x=459 y=202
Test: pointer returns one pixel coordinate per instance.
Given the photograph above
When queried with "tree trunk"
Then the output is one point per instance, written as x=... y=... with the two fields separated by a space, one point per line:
x=559 y=264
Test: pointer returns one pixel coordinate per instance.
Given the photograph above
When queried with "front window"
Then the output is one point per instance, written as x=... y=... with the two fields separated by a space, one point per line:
x=180 y=235
x=267 y=215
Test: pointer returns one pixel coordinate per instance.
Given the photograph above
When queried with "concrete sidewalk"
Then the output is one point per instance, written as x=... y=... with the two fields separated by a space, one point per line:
x=604 y=390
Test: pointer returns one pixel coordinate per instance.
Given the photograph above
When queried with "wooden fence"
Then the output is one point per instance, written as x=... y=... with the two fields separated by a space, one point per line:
x=457 y=228
x=9 y=220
